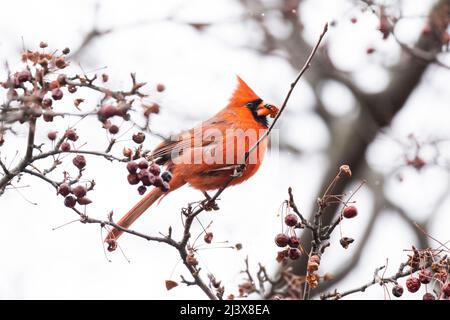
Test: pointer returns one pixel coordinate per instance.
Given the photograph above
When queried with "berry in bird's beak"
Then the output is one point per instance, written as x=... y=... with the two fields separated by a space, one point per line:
x=265 y=109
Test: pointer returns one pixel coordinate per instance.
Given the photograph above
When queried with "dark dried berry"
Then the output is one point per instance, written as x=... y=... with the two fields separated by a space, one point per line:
x=425 y=276
x=164 y=187
x=60 y=63
x=370 y=50
x=350 y=212
x=148 y=179
x=142 y=190
x=139 y=137
x=52 y=135
x=446 y=289
x=66 y=50
x=43 y=45
x=79 y=161
x=47 y=103
x=105 y=77
x=166 y=176
x=291 y=220
x=72 y=88
x=397 y=290
x=133 y=179
x=70 y=201
x=160 y=87
x=107 y=111
x=64 y=189
x=132 y=167
x=154 y=169
x=143 y=164
x=208 y=237
x=294 y=253
x=71 y=134
x=47 y=117
x=353 y=20
x=113 y=129
x=79 y=191
x=84 y=201
x=294 y=242
x=65 y=146
x=57 y=94
x=345 y=242
x=413 y=284
x=282 y=240
x=24 y=75
x=62 y=79
x=158 y=181
x=428 y=296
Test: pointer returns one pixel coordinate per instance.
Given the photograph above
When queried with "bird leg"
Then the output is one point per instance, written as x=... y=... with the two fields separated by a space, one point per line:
x=209 y=204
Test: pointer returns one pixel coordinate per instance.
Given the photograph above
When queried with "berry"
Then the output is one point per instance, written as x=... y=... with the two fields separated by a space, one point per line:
x=282 y=240
x=79 y=191
x=60 y=63
x=166 y=176
x=158 y=181
x=315 y=258
x=148 y=179
x=142 y=190
x=160 y=87
x=425 y=276
x=72 y=88
x=24 y=75
x=291 y=220
x=84 y=201
x=43 y=45
x=71 y=134
x=208 y=237
x=164 y=186
x=66 y=50
x=107 y=111
x=65 y=146
x=428 y=296
x=64 y=189
x=370 y=50
x=70 y=201
x=350 y=212
x=446 y=289
x=143 y=164
x=57 y=94
x=53 y=85
x=52 y=135
x=127 y=152
x=133 y=179
x=132 y=167
x=79 y=161
x=47 y=103
x=105 y=77
x=48 y=117
x=413 y=284
x=397 y=291
x=353 y=20
x=139 y=137
x=344 y=171
x=294 y=253
x=294 y=242
x=113 y=129
x=154 y=169
x=62 y=79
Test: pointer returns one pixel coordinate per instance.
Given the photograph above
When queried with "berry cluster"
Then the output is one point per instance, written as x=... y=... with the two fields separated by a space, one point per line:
x=291 y=242
x=72 y=195
x=148 y=174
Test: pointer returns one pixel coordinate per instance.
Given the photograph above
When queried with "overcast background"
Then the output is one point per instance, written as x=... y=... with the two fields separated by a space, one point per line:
x=198 y=69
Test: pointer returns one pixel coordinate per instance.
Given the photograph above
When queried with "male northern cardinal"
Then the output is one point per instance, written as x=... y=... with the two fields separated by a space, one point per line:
x=207 y=155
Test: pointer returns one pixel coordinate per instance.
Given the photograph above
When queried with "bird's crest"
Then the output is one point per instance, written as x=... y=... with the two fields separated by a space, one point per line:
x=243 y=94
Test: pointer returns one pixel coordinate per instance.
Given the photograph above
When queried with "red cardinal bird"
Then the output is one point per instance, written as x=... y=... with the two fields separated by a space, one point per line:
x=207 y=155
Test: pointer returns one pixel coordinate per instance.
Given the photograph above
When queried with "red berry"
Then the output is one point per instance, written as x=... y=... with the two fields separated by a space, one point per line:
x=71 y=134
x=65 y=146
x=57 y=94
x=43 y=44
x=353 y=20
x=47 y=103
x=79 y=191
x=158 y=181
x=84 y=201
x=350 y=212
x=64 y=189
x=425 y=276
x=139 y=137
x=79 y=161
x=154 y=169
x=370 y=50
x=282 y=240
x=208 y=237
x=397 y=291
x=60 y=63
x=294 y=253
x=24 y=75
x=294 y=242
x=53 y=84
x=107 y=111
x=132 y=167
x=413 y=284
x=113 y=129
x=446 y=289
x=291 y=220
x=71 y=88
x=48 y=117
x=52 y=135
x=70 y=201
x=133 y=178
x=160 y=87
x=142 y=190
x=143 y=164
x=62 y=79
x=164 y=187
x=428 y=296
x=147 y=179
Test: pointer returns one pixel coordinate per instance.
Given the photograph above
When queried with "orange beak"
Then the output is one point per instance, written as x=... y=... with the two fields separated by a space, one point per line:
x=265 y=109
